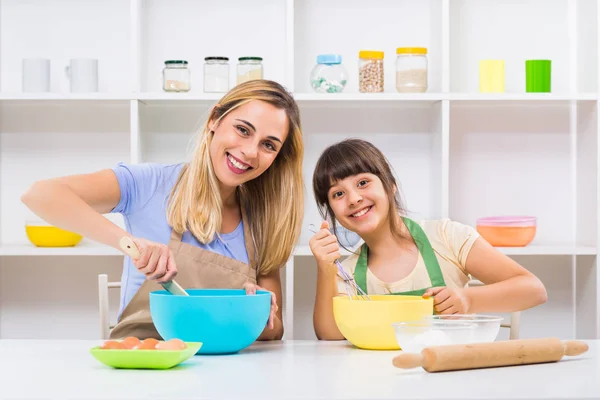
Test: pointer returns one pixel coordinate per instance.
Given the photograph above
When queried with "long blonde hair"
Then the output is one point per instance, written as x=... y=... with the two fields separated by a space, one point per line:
x=273 y=202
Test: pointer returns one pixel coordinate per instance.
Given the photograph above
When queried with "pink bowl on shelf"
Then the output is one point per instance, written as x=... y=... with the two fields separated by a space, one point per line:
x=508 y=231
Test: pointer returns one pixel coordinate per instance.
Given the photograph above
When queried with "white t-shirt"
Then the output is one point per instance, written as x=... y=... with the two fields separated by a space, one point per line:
x=451 y=242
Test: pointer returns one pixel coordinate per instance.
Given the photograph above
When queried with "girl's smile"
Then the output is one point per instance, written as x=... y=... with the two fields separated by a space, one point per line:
x=359 y=203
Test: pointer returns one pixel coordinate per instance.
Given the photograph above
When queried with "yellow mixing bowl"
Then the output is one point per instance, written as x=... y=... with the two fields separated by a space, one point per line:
x=367 y=324
x=51 y=236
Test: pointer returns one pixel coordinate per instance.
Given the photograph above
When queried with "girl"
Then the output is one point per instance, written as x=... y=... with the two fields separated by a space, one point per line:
x=354 y=185
x=229 y=218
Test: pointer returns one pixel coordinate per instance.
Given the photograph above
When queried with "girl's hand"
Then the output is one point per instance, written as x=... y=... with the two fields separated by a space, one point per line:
x=251 y=288
x=449 y=301
x=154 y=260
x=324 y=247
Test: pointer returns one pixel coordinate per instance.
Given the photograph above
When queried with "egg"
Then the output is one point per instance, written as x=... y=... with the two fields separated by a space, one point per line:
x=112 y=345
x=173 y=344
x=147 y=344
x=130 y=342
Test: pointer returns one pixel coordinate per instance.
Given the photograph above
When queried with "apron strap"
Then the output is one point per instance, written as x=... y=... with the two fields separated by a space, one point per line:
x=175 y=242
x=249 y=241
x=431 y=262
x=429 y=258
x=176 y=237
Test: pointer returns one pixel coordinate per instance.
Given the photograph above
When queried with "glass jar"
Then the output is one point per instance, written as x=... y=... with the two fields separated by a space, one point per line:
x=216 y=74
x=370 y=71
x=176 y=76
x=329 y=75
x=411 y=69
x=249 y=68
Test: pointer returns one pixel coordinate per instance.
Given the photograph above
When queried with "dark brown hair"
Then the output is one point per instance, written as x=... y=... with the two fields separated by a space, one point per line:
x=352 y=157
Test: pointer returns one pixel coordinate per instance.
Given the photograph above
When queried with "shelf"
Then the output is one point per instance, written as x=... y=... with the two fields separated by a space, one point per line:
x=166 y=97
x=92 y=249
x=82 y=249
x=66 y=96
x=305 y=97
x=513 y=31
x=531 y=250
x=484 y=97
x=362 y=99
x=64 y=30
x=167 y=29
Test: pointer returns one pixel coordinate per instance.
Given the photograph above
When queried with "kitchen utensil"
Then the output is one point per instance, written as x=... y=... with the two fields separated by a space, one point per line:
x=36 y=75
x=352 y=289
x=42 y=234
x=538 y=76
x=508 y=231
x=226 y=321
x=83 y=75
x=368 y=324
x=486 y=355
x=144 y=359
x=414 y=336
x=486 y=329
x=129 y=247
x=491 y=76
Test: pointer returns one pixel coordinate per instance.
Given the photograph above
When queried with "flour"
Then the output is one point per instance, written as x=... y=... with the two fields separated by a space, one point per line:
x=433 y=337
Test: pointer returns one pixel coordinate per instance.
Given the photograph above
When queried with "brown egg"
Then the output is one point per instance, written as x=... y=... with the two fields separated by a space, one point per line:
x=111 y=344
x=173 y=344
x=147 y=344
x=130 y=342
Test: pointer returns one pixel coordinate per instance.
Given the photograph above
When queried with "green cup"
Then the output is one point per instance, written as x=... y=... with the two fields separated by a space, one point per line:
x=538 y=75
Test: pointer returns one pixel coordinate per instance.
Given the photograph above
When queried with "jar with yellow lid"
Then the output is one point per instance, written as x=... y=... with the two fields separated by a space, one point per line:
x=370 y=71
x=411 y=69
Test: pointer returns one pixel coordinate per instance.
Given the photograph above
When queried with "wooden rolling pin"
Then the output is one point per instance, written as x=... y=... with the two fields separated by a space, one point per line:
x=486 y=355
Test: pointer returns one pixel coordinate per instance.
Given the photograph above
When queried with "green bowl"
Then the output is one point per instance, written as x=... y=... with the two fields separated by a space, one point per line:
x=144 y=359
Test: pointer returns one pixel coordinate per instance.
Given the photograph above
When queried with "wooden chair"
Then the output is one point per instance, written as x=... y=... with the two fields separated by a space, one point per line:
x=103 y=286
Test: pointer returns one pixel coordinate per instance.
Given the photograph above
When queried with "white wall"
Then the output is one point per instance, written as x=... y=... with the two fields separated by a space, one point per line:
x=456 y=153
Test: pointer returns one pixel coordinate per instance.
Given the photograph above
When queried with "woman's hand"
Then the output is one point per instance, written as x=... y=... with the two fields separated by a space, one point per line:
x=449 y=301
x=155 y=260
x=325 y=248
x=251 y=289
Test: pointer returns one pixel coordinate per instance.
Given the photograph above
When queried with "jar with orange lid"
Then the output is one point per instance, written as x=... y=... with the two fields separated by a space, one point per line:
x=370 y=71
x=411 y=69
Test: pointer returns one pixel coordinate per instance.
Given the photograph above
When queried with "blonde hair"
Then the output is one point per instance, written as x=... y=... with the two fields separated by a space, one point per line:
x=273 y=201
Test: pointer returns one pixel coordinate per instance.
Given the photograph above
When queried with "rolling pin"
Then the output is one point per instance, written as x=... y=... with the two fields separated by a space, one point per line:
x=486 y=355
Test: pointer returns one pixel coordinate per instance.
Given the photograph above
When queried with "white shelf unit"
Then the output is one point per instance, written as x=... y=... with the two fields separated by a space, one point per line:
x=458 y=153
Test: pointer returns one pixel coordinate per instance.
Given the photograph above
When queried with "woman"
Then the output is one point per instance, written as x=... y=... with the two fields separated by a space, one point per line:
x=229 y=218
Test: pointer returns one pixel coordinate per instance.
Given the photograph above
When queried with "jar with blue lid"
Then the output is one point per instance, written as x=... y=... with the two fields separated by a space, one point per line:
x=329 y=75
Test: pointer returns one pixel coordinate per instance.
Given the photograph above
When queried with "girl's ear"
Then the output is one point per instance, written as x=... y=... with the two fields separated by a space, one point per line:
x=394 y=189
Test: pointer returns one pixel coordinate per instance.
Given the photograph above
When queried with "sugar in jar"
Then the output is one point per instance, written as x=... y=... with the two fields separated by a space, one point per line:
x=411 y=69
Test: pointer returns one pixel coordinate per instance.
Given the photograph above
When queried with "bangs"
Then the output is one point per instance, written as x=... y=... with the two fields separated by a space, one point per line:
x=339 y=162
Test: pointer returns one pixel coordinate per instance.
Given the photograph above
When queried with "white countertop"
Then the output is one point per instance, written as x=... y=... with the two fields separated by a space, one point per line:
x=51 y=369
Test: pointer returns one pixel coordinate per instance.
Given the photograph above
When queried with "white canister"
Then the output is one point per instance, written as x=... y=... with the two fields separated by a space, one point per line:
x=83 y=75
x=35 y=75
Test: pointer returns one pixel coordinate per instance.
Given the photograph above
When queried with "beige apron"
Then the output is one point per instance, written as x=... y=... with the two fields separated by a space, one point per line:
x=197 y=268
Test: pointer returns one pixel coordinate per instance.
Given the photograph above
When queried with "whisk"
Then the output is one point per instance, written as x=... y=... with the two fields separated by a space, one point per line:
x=351 y=286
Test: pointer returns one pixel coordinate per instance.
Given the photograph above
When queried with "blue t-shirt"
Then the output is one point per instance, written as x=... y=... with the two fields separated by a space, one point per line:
x=145 y=190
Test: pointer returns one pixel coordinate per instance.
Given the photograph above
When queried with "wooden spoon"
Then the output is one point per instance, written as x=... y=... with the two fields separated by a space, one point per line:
x=129 y=247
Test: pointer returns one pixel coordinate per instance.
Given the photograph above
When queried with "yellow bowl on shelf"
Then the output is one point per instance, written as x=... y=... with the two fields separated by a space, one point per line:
x=367 y=324
x=44 y=235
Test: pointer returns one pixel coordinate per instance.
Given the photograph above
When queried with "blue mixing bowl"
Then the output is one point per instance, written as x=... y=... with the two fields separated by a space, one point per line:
x=224 y=320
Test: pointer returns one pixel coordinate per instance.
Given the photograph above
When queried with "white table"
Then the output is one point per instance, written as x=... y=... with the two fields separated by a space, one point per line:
x=50 y=369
